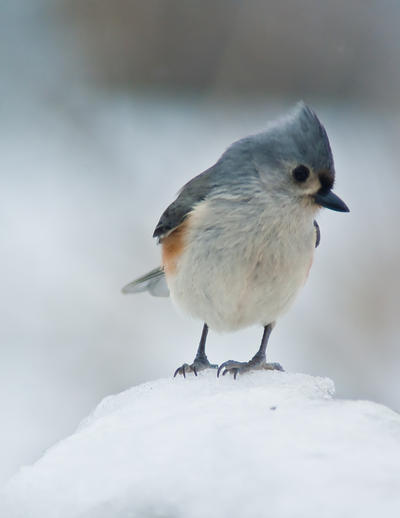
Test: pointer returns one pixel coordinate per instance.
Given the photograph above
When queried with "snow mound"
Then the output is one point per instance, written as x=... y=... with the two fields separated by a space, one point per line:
x=269 y=444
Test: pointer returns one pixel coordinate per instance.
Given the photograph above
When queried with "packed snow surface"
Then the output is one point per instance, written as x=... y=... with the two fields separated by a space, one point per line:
x=269 y=444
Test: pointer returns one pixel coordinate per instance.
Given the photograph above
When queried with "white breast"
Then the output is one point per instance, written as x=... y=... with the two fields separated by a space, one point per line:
x=243 y=263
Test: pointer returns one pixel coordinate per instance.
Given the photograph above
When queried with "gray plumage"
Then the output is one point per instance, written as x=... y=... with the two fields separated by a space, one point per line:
x=154 y=282
x=299 y=138
x=251 y=232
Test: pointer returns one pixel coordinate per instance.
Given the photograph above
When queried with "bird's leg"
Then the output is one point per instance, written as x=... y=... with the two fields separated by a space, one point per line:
x=258 y=361
x=201 y=361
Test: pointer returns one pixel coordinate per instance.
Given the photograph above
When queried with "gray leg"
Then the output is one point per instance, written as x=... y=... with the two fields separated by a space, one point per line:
x=201 y=361
x=258 y=361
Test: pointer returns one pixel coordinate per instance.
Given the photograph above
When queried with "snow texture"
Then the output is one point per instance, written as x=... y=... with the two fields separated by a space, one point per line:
x=266 y=445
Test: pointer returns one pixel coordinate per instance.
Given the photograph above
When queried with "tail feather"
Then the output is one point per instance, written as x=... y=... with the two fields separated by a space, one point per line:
x=154 y=282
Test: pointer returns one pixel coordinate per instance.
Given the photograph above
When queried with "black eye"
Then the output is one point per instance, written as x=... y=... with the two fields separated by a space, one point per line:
x=301 y=173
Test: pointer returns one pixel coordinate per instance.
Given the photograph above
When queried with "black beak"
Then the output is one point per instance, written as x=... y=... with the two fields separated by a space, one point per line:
x=331 y=201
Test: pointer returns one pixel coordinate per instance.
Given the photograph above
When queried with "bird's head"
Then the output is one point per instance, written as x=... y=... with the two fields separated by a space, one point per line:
x=294 y=159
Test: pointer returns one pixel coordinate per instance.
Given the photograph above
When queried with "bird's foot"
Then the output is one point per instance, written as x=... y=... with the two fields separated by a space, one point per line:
x=236 y=368
x=199 y=364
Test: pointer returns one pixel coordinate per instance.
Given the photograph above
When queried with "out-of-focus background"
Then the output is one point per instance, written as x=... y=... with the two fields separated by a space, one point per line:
x=107 y=108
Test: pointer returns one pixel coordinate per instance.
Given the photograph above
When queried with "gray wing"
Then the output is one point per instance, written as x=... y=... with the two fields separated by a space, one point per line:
x=234 y=171
x=154 y=282
x=193 y=192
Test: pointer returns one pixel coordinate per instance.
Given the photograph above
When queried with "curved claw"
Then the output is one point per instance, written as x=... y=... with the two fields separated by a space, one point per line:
x=235 y=368
x=230 y=366
x=195 y=367
x=182 y=370
x=222 y=367
x=233 y=371
x=185 y=369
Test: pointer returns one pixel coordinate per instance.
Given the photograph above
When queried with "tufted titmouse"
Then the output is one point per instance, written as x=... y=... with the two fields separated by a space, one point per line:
x=238 y=242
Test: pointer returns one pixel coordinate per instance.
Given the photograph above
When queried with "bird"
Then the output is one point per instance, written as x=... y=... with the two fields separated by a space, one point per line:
x=237 y=244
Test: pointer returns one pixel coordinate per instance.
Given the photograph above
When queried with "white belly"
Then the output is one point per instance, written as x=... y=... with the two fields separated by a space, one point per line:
x=242 y=270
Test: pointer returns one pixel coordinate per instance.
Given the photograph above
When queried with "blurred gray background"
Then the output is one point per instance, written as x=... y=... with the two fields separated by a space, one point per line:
x=107 y=108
